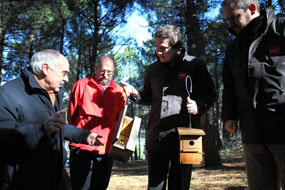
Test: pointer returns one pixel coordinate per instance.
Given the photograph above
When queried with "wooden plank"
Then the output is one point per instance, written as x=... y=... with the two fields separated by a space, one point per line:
x=126 y=128
x=119 y=124
x=191 y=142
x=191 y=158
x=131 y=145
x=190 y=131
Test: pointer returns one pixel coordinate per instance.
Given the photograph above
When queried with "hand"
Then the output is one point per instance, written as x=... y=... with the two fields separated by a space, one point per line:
x=191 y=106
x=129 y=89
x=230 y=126
x=54 y=123
x=93 y=139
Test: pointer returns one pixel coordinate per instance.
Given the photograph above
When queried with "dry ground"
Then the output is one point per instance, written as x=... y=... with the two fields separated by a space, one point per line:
x=229 y=176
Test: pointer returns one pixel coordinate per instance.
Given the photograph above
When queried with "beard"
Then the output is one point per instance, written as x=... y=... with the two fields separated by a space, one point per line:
x=105 y=82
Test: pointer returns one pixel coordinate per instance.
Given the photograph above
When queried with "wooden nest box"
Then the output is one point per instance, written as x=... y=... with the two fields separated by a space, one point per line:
x=190 y=142
x=125 y=137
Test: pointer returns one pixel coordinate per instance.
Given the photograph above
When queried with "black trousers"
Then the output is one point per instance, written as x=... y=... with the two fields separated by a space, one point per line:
x=265 y=166
x=167 y=167
x=89 y=171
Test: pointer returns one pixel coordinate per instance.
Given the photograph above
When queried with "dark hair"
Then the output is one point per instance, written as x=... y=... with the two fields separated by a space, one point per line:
x=172 y=33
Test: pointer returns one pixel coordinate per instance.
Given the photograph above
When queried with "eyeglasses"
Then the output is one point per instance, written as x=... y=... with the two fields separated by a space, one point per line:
x=104 y=71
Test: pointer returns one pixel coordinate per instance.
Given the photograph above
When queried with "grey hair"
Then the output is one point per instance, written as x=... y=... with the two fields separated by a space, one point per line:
x=100 y=59
x=48 y=56
x=242 y=4
x=172 y=33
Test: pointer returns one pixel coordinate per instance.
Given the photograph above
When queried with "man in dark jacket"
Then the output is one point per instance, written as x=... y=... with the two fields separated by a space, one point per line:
x=254 y=89
x=33 y=128
x=165 y=90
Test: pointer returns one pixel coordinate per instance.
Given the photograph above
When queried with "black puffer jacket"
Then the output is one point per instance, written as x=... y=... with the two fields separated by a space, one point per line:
x=164 y=89
x=35 y=160
x=254 y=80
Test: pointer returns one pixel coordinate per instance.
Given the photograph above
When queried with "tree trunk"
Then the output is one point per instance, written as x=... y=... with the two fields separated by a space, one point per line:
x=95 y=38
x=195 y=42
x=2 y=42
x=4 y=17
x=63 y=23
x=212 y=156
x=79 y=62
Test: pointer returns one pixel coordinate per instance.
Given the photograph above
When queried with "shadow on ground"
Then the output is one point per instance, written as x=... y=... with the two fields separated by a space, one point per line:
x=230 y=175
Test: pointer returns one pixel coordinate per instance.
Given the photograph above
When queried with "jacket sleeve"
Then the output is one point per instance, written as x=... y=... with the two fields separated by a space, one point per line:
x=25 y=135
x=74 y=134
x=207 y=94
x=229 y=99
x=146 y=93
x=74 y=102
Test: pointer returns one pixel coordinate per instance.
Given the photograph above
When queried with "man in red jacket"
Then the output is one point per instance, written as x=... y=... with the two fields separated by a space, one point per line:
x=95 y=105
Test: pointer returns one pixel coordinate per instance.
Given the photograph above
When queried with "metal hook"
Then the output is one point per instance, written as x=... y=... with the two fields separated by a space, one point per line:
x=188 y=90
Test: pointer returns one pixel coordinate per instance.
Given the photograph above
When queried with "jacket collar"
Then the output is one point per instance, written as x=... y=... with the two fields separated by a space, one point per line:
x=31 y=82
x=269 y=16
x=257 y=25
x=30 y=79
x=253 y=27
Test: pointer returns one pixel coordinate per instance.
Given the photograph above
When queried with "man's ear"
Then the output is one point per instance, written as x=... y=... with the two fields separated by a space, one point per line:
x=45 y=68
x=252 y=8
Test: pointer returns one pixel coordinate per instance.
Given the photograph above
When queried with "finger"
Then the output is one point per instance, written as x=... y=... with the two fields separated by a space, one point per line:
x=52 y=129
x=98 y=143
x=59 y=126
x=56 y=123
x=58 y=120
x=99 y=136
x=57 y=114
x=124 y=83
x=188 y=100
x=91 y=141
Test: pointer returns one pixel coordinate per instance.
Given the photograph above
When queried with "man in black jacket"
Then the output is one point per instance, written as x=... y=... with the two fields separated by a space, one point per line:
x=33 y=128
x=254 y=90
x=165 y=90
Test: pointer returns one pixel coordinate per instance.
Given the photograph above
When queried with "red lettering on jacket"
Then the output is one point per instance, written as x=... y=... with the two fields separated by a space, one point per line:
x=182 y=75
x=274 y=50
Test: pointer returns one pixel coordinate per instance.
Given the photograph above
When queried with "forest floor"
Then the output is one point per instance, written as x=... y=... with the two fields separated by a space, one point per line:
x=230 y=176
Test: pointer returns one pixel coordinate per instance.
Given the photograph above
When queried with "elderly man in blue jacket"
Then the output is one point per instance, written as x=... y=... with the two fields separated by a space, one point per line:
x=33 y=127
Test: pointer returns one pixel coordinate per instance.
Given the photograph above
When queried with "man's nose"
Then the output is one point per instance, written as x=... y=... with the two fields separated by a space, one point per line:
x=65 y=78
x=106 y=74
